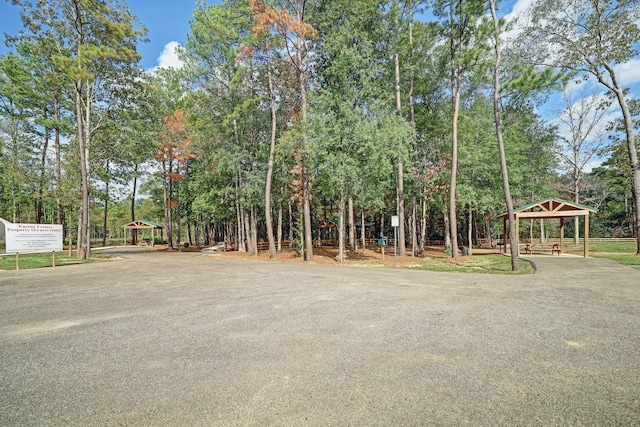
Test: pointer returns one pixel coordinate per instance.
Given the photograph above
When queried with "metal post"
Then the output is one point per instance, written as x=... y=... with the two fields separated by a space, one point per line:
x=395 y=245
x=395 y=222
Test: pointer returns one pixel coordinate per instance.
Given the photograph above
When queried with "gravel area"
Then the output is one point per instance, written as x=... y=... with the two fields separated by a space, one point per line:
x=169 y=339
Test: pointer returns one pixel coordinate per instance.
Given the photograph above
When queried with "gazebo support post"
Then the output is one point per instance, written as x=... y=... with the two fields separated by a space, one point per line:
x=561 y=235
x=586 y=235
x=504 y=236
x=517 y=242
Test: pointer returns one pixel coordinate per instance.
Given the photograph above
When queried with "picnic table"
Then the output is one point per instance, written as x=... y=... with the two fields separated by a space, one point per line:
x=529 y=248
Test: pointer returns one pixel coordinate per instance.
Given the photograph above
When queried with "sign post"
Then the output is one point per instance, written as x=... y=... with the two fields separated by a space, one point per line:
x=395 y=222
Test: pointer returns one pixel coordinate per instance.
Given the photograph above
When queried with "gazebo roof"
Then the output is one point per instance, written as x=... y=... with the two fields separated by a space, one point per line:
x=328 y=223
x=142 y=223
x=551 y=208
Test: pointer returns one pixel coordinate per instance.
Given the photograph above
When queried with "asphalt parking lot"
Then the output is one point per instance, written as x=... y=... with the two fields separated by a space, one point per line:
x=157 y=339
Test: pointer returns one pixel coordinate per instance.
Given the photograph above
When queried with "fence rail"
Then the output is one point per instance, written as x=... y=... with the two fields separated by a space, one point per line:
x=591 y=239
x=482 y=243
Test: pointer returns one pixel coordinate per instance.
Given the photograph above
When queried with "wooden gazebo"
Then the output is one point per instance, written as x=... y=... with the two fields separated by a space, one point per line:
x=327 y=232
x=548 y=209
x=142 y=224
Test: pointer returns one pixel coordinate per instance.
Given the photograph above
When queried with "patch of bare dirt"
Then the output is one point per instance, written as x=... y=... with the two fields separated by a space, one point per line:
x=328 y=255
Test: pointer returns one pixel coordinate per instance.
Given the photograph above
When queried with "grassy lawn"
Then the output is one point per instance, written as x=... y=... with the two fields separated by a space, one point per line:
x=620 y=252
x=26 y=261
x=482 y=263
x=625 y=259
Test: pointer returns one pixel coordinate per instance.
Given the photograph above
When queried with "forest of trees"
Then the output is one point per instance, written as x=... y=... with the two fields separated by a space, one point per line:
x=288 y=112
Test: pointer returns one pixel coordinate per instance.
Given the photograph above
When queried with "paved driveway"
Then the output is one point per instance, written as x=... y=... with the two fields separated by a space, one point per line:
x=181 y=339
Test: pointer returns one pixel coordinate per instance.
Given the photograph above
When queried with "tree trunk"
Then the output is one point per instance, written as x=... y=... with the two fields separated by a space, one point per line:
x=279 y=227
x=503 y=159
x=453 y=221
x=308 y=237
x=363 y=233
x=341 y=231
x=167 y=189
x=84 y=243
x=240 y=238
x=41 y=181
x=254 y=232
x=447 y=229
x=197 y=228
x=247 y=232
x=402 y=250
x=306 y=179
x=291 y=241
x=576 y=220
x=531 y=231
x=423 y=225
x=414 y=226
x=105 y=208
x=178 y=214
x=78 y=230
x=272 y=149
x=412 y=119
x=470 y=231
x=58 y=165
x=352 y=227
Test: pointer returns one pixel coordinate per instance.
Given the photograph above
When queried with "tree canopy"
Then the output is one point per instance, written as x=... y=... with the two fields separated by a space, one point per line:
x=287 y=113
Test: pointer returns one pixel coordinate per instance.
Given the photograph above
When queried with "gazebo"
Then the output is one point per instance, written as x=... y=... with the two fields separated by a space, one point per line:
x=548 y=209
x=327 y=232
x=142 y=224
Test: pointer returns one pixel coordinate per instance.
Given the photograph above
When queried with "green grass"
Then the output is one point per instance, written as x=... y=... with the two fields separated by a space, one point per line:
x=488 y=264
x=27 y=261
x=620 y=252
x=613 y=247
x=631 y=260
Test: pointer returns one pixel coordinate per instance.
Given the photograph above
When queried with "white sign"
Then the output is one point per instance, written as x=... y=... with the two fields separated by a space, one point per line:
x=395 y=221
x=32 y=238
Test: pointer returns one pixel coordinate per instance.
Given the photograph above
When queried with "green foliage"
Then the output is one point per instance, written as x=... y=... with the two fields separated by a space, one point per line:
x=354 y=135
x=610 y=190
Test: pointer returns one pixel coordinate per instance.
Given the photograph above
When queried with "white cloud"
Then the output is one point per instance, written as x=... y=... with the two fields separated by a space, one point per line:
x=629 y=72
x=519 y=8
x=169 y=57
x=589 y=167
x=518 y=19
